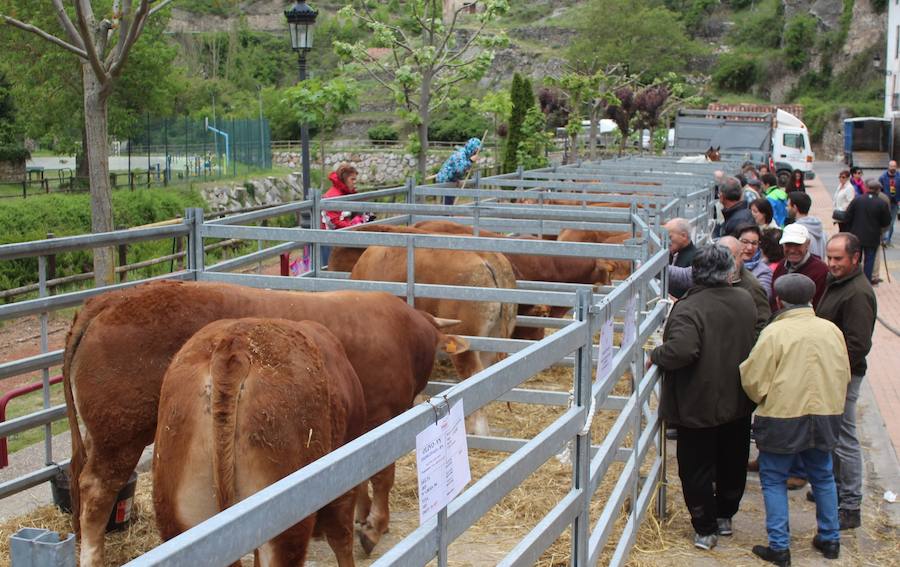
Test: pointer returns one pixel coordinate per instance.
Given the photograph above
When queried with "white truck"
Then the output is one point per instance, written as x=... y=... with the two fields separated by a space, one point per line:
x=779 y=139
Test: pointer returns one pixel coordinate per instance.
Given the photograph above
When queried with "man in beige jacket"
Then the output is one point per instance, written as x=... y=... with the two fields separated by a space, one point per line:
x=797 y=373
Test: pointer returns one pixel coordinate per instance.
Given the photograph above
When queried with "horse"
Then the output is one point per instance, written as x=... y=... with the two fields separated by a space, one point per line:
x=712 y=154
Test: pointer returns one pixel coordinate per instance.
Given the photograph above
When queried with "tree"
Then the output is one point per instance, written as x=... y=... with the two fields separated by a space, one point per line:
x=522 y=99
x=102 y=46
x=621 y=111
x=533 y=140
x=647 y=38
x=496 y=105
x=425 y=63
x=8 y=125
x=320 y=104
x=650 y=103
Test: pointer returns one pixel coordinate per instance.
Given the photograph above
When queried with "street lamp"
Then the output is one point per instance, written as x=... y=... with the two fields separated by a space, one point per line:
x=301 y=18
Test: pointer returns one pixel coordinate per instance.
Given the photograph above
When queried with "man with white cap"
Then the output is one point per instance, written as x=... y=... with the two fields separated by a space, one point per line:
x=797 y=373
x=798 y=259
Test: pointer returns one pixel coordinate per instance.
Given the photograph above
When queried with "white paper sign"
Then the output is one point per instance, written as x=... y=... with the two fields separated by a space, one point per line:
x=605 y=356
x=442 y=462
x=630 y=332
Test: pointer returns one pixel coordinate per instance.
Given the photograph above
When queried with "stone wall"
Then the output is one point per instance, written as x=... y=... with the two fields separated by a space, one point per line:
x=255 y=192
x=12 y=170
x=375 y=167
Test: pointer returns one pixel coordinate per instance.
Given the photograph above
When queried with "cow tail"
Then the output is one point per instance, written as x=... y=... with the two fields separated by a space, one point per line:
x=507 y=310
x=229 y=369
x=79 y=327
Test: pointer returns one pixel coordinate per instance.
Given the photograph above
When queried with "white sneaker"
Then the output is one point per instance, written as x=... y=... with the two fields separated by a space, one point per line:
x=705 y=542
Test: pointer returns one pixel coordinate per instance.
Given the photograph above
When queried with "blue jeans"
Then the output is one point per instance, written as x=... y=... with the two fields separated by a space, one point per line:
x=773 y=474
x=890 y=228
x=869 y=255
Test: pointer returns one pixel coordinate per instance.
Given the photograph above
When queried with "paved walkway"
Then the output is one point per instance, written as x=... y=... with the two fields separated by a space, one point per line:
x=884 y=359
x=881 y=389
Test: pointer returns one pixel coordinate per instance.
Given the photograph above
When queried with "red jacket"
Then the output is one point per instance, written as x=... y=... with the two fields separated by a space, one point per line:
x=813 y=268
x=332 y=220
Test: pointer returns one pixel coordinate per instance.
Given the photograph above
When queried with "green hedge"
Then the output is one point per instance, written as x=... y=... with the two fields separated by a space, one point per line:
x=383 y=132
x=14 y=154
x=22 y=220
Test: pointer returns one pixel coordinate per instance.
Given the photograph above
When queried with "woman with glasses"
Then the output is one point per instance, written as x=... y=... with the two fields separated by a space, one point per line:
x=844 y=193
x=749 y=236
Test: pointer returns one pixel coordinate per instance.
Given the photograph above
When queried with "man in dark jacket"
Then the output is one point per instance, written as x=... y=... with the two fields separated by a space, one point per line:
x=681 y=249
x=798 y=258
x=849 y=302
x=734 y=208
x=708 y=333
x=866 y=217
x=890 y=184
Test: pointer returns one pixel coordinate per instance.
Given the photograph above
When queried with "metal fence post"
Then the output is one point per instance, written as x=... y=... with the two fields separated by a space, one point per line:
x=196 y=254
x=123 y=258
x=45 y=347
x=410 y=270
x=411 y=197
x=314 y=216
x=581 y=463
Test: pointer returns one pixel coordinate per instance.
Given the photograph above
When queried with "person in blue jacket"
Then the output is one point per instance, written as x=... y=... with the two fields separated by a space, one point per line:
x=458 y=165
x=890 y=183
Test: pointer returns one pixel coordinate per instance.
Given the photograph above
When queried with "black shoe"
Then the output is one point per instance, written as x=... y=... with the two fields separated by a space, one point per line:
x=849 y=519
x=830 y=549
x=781 y=557
x=810 y=497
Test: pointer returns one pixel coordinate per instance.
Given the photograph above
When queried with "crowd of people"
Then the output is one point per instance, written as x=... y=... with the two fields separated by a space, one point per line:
x=773 y=319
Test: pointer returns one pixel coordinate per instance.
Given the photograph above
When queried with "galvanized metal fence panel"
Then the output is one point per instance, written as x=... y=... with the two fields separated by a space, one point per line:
x=674 y=189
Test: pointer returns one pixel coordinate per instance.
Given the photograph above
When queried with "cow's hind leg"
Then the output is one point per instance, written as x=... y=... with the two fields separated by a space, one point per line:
x=105 y=472
x=287 y=549
x=380 y=515
x=363 y=503
x=468 y=364
x=336 y=521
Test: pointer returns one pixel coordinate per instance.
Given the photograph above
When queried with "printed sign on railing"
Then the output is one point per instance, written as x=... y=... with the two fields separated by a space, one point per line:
x=442 y=462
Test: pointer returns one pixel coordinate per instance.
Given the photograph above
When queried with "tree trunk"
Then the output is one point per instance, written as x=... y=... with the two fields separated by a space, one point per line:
x=573 y=155
x=96 y=150
x=424 y=119
x=592 y=133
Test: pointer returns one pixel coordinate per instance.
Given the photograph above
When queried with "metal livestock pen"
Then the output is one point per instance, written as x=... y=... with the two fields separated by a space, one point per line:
x=656 y=189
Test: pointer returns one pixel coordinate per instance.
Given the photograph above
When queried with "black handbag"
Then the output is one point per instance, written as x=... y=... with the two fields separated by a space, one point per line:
x=839 y=215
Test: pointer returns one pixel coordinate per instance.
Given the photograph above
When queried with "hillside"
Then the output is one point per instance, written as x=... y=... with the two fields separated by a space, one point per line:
x=816 y=52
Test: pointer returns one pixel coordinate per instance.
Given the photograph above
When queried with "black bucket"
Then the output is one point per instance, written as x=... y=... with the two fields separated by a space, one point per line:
x=120 y=516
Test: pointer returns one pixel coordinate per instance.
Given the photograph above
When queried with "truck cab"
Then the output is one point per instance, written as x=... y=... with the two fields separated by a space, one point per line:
x=790 y=146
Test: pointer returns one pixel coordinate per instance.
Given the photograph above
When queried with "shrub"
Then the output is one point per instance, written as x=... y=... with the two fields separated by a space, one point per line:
x=383 y=132
x=736 y=72
x=65 y=215
x=14 y=154
x=760 y=28
x=799 y=38
x=458 y=124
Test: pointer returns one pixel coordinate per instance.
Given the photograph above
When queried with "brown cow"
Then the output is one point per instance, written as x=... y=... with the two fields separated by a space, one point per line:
x=121 y=343
x=533 y=267
x=618 y=269
x=455 y=268
x=245 y=403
